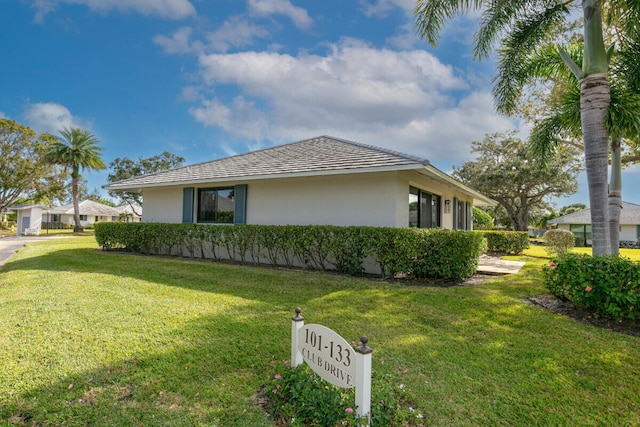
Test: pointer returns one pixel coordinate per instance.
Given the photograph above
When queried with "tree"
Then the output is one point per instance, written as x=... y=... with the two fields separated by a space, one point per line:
x=504 y=171
x=561 y=119
x=24 y=176
x=522 y=26
x=77 y=150
x=125 y=168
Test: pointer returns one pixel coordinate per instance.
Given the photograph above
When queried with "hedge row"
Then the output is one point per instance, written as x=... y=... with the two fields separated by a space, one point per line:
x=506 y=242
x=434 y=253
x=608 y=284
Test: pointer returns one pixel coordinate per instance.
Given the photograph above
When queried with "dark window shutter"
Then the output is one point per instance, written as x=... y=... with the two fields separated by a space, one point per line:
x=468 y=218
x=240 y=208
x=455 y=213
x=187 y=205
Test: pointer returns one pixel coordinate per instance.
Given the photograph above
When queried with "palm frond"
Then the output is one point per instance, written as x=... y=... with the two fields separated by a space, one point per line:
x=432 y=15
x=518 y=45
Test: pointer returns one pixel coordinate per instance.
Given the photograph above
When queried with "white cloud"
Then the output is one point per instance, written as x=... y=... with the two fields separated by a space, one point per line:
x=2 y=116
x=400 y=100
x=49 y=117
x=381 y=7
x=170 y=9
x=298 y=15
x=235 y=32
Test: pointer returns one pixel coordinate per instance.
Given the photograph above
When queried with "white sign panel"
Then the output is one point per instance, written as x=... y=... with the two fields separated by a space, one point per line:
x=328 y=354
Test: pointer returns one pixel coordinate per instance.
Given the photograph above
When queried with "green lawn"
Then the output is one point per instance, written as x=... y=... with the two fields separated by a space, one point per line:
x=540 y=252
x=105 y=338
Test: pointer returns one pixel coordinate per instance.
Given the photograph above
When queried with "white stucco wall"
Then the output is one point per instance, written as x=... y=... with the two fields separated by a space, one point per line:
x=34 y=215
x=162 y=204
x=629 y=232
x=373 y=199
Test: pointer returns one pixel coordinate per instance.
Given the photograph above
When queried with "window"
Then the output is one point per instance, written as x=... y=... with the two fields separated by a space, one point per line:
x=83 y=217
x=424 y=209
x=582 y=234
x=460 y=225
x=216 y=205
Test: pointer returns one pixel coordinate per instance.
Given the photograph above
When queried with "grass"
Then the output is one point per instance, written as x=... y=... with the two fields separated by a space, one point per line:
x=538 y=251
x=105 y=338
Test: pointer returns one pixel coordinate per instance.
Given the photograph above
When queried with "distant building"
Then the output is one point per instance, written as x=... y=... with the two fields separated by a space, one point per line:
x=579 y=223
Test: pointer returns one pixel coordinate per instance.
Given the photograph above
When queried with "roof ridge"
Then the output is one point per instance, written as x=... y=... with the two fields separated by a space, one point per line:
x=380 y=149
x=403 y=156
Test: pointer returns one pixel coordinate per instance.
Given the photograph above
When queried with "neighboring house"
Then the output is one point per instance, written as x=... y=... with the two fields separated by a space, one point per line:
x=127 y=214
x=579 y=223
x=319 y=181
x=90 y=213
x=32 y=219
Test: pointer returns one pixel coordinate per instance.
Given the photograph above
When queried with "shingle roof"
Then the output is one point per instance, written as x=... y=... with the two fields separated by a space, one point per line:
x=313 y=156
x=87 y=207
x=630 y=216
x=323 y=155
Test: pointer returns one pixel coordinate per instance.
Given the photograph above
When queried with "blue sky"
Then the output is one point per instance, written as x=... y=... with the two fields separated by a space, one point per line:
x=206 y=79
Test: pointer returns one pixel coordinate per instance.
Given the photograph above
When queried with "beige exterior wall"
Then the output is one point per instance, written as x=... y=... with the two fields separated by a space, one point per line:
x=162 y=204
x=373 y=199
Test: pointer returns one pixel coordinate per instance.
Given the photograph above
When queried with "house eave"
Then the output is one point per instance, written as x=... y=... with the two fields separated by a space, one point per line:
x=478 y=198
x=245 y=178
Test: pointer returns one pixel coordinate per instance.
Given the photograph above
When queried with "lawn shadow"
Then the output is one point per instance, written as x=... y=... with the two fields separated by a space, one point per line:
x=208 y=379
x=245 y=281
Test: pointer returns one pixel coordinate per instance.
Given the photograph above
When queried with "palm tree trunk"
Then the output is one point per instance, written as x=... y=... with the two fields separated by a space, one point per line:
x=595 y=97
x=76 y=203
x=615 y=195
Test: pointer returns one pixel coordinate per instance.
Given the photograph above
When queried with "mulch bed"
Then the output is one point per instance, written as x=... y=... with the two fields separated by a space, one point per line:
x=586 y=315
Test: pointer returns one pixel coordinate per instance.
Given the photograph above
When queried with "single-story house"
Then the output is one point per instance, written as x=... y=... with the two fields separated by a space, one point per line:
x=579 y=223
x=126 y=213
x=32 y=219
x=318 y=181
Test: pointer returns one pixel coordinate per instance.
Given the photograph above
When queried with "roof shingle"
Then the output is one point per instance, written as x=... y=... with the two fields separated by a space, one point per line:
x=309 y=157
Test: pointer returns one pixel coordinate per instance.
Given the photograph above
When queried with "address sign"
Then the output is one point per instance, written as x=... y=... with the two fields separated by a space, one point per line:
x=328 y=354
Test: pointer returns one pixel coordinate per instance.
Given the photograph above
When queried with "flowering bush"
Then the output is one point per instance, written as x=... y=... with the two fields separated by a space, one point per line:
x=299 y=397
x=608 y=284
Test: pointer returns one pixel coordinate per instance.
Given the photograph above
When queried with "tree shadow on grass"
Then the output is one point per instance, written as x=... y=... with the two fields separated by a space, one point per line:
x=209 y=381
x=249 y=281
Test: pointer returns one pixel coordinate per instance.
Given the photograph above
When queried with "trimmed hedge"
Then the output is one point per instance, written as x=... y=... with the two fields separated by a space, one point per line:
x=418 y=253
x=608 y=284
x=506 y=242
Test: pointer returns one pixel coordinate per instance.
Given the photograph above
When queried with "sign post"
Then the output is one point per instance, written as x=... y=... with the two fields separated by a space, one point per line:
x=333 y=359
x=297 y=322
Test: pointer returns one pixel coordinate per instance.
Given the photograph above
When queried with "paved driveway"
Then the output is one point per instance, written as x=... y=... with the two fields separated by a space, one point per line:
x=10 y=244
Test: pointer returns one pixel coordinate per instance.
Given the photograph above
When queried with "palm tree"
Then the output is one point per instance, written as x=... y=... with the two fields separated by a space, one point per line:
x=523 y=25
x=77 y=150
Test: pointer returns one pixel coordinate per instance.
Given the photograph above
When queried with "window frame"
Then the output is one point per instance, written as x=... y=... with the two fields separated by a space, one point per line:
x=199 y=211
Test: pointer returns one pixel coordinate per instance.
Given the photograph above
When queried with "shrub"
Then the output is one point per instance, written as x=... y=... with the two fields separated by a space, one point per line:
x=419 y=253
x=608 y=284
x=558 y=242
x=507 y=242
x=299 y=397
x=482 y=220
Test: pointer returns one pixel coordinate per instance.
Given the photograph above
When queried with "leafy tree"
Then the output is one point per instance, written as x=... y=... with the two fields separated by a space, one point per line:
x=504 y=171
x=575 y=207
x=522 y=26
x=77 y=150
x=125 y=168
x=24 y=176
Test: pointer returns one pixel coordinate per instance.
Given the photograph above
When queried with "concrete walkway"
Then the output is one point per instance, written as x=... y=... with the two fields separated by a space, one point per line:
x=495 y=265
x=9 y=245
